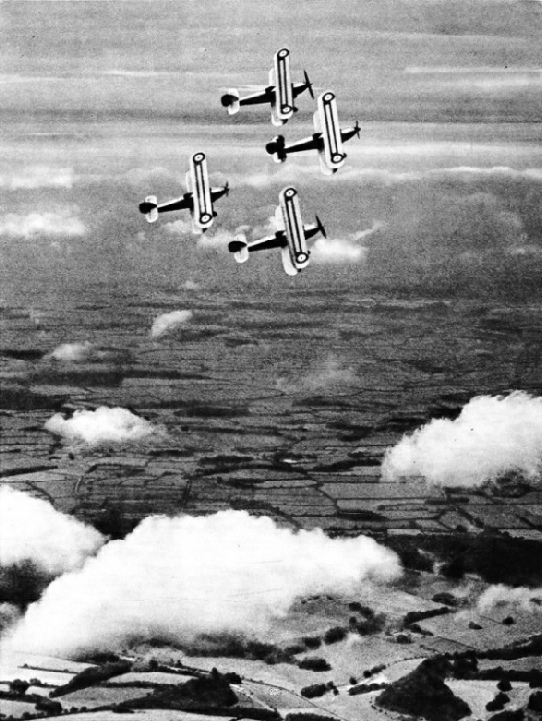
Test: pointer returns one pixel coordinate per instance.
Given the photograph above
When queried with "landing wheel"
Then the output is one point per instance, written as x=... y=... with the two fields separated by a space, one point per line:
x=205 y=218
x=199 y=157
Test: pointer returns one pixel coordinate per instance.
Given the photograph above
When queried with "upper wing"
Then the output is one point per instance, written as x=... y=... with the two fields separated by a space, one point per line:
x=203 y=204
x=289 y=201
x=331 y=133
x=284 y=97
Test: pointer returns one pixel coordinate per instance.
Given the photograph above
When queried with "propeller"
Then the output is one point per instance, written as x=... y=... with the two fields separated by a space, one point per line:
x=320 y=227
x=227 y=189
x=357 y=129
x=308 y=84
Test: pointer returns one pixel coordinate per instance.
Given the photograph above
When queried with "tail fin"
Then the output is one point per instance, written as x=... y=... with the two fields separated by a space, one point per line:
x=239 y=248
x=320 y=227
x=231 y=101
x=308 y=84
x=150 y=208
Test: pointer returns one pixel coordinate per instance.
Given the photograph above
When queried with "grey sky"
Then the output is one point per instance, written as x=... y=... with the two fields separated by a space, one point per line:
x=156 y=58
x=103 y=101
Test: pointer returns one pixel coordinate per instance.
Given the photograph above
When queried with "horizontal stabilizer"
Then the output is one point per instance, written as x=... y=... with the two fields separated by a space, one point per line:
x=239 y=248
x=277 y=148
x=231 y=101
x=150 y=208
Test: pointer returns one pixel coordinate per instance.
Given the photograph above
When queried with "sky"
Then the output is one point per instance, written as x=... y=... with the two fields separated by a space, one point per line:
x=103 y=101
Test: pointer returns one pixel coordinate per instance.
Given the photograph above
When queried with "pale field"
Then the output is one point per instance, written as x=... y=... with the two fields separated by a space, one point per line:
x=478 y=693
x=16 y=708
x=95 y=696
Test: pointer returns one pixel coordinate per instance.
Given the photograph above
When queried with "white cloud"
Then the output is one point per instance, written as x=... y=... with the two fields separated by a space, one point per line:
x=81 y=352
x=524 y=599
x=492 y=436
x=218 y=240
x=337 y=251
x=75 y=352
x=32 y=530
x=102 y=426
x=167 y=322
x=174 y=578
x=178 y=227
x=191 y=285
x=60 y=223
x=37 y=176
x=343 y=251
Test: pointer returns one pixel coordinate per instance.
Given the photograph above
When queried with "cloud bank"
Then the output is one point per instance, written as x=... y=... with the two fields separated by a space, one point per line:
x=167 y=322
x=102 y=426
x=37 y=176
x=60 y=223
x=175 y=578
x=492 y=436
x=32 y=530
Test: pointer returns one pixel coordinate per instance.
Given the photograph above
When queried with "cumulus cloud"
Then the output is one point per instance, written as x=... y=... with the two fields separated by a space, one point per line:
x=191 y=285
x=524 y=599
x=167 y=322
x=175 y=578
x=9 y=614
x=102 y=426
x=37 y=176
x=337 y=251
x=343 y=251
x=85 y=351
x=32 y=530
x=59 y=223
x=492 y=436
x=75 y=352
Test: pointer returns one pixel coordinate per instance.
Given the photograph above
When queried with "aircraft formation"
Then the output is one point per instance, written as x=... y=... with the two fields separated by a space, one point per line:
x=291 y=234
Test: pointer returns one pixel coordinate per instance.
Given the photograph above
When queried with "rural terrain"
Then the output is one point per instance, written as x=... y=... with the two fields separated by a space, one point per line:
x=284 y=407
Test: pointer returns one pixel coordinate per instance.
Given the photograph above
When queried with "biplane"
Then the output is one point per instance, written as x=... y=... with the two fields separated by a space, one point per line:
x=291 y=235
x=199 y=198
x=280 y=94
x=327 y=139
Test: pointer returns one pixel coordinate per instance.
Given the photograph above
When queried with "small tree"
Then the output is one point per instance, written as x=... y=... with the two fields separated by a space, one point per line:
x=19 y=687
